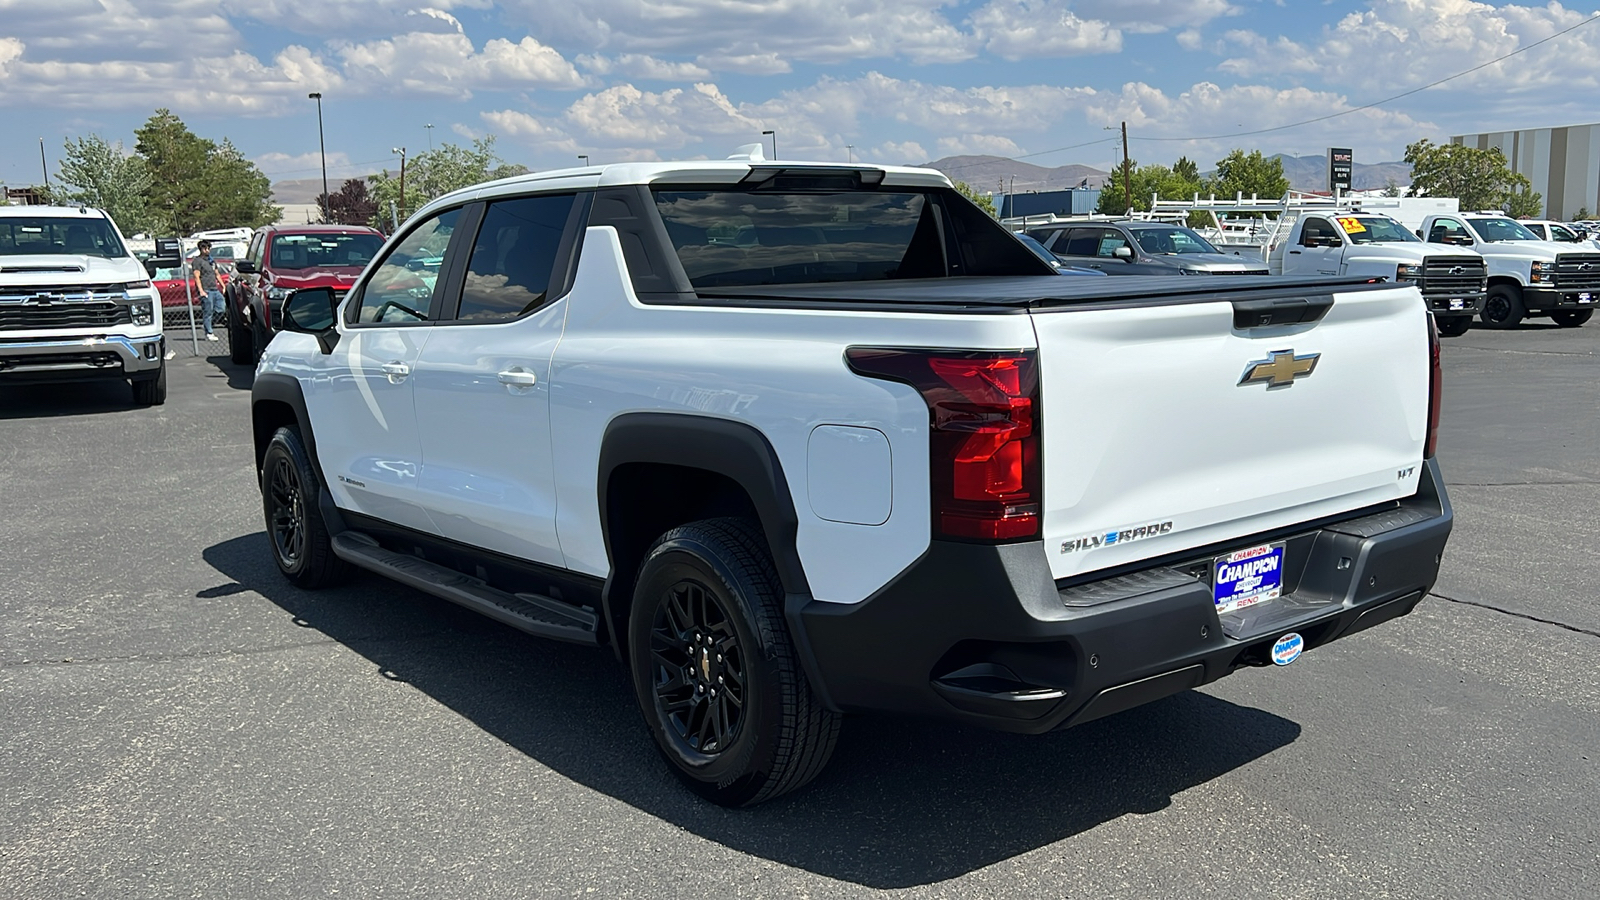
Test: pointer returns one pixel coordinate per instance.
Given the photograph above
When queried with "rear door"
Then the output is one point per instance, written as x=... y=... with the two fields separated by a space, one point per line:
x=1167 y=428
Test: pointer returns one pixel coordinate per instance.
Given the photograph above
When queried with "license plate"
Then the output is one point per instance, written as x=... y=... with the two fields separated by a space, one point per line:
x=1457 y=303
x=1248 y=577
x=1585 y=298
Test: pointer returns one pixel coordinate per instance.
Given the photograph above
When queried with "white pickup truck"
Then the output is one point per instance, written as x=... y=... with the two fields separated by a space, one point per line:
x=74 y=303
x=1355 y=243
x=1527 y=276
x=798 y=440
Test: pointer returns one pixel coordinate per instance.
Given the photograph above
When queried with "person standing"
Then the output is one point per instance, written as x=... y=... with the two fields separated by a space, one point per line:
x=207 y=286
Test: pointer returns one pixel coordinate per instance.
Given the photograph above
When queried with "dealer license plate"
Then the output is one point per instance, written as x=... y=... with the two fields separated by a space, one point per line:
x=1457 y=303
x=1248 y=577
x=1586 y=298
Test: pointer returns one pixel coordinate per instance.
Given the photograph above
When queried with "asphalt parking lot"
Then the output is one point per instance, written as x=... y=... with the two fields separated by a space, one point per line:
x=178 y=721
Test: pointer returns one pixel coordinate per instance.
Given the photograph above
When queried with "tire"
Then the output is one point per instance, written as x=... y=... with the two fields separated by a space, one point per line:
x=258 y=341
x=151 y=391
x=1572 y=318
x=239 y=337
x=301 y=544
x=742 y=726
x=1503 y=308
x=1452 y=326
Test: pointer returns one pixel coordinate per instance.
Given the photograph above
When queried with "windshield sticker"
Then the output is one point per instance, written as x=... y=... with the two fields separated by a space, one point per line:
x=1120 y=536
x=1351 y=224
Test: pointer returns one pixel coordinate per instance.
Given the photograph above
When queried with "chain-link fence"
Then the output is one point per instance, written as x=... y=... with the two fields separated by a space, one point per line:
x=184 y=326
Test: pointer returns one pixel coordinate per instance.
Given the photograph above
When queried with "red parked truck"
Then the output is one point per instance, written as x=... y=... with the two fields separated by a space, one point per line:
x=285 y=258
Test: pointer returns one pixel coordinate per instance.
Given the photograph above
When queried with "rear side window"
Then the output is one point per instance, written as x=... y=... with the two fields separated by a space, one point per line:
x=508 y=274
x=794 y=235
x=1110 y=240
x=1082 y=242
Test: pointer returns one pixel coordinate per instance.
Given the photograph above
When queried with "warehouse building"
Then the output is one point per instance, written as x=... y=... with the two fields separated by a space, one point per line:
x=1562 y=163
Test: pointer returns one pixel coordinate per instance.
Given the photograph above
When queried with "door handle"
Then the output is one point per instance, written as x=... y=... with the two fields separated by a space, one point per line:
x=1294 y=252
x=396 y=371
x=518 y=377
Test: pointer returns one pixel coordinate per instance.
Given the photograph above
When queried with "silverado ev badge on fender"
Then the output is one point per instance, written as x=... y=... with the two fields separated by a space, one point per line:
x=776 y=434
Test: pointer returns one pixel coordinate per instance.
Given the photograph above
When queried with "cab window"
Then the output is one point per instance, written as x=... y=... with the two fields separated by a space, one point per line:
x=1449 y=231
x=402 y=286
x=1110 y=240
x=508 y=273
x=1081 y=242
x=1319 y=233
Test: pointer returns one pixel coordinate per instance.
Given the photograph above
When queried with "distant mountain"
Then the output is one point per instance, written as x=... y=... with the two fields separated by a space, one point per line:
x=1310 y=173
x=996 y=173
x=295 y=191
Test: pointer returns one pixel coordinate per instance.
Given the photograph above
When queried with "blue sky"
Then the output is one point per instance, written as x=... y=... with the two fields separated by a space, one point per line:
x=897 y=81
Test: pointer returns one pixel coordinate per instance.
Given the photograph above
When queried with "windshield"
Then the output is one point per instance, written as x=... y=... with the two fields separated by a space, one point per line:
x=49 y=235
x=1376 y=230
x=1492 y=230
x=1170 y=241
x=314 y=251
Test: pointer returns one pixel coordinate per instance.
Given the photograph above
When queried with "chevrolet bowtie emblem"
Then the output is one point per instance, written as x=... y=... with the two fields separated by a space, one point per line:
x=1281 y=369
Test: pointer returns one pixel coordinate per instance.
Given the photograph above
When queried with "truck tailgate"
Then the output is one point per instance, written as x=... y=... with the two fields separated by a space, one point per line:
x=1154 y=442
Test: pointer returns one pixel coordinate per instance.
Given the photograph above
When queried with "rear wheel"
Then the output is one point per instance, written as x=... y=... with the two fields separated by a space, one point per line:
x=258 y=340
x=715 y=671
x=1503 y=308
x=1453 y=326
x=1572 y=318
x=301 y=543
x=151 y=391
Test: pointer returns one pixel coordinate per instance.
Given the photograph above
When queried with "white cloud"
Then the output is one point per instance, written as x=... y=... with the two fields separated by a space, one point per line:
x=897 y=153
x=1189 y=39
x=794 y=30
x=978 y=144
x=278 y=166
x=1149 y=16
x=1017 y=29
x=352 y=18
x=643 y=67
x=425 y=63
x=747 y=64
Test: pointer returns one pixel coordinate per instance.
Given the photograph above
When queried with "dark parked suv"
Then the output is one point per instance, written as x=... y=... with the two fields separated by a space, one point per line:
x=285 y=258
x=1141 y=248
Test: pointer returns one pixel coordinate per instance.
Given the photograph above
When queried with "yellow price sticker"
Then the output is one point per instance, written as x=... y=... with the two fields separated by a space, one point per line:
x=1350 y=224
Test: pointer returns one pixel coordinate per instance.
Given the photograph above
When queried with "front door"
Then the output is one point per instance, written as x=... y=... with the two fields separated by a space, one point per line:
x=1321 y=247
x=373 y=459
x=483 y=383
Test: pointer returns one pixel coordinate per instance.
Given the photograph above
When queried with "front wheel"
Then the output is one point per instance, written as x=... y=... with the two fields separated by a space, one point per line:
x=715 y=671
x=1452 y=326
x=301 y=543
x=151 y=391
x=1572 y=318
x=1503 y=308
x=240 y=339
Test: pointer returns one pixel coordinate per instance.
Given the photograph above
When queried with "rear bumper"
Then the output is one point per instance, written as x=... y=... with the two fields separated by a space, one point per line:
x=1546 y=298
x=70 y=359
x=982 y=635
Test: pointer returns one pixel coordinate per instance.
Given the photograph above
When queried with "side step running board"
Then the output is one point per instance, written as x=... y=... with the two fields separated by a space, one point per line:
x=533 y=613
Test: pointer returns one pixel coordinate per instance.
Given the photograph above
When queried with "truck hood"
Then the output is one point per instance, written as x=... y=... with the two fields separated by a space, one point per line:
x=322 y=276
x=59 y=269
x=1543 y=251
x=1216 y=263
x=1407 y=252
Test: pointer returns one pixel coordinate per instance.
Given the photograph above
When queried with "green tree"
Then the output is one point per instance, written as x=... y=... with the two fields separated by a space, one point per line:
x=1582 y=215
x=1480 y=179
x=985 y=202
x=1147 y=182
x=352 y=204
x=1391 y=188
x=434 y=173
x=1248 y=174
x=196 y=184
x=97 y=173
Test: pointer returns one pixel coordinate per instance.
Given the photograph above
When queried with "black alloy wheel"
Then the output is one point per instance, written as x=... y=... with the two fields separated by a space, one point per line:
x=1503 y=308
x=1452 y=326
x=302 y=546
x=699 y=668
x=239 y=336
x=1572 y=318
x=716 y=675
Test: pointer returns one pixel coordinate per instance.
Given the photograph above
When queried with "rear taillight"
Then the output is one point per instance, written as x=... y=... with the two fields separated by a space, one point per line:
x=1435 y=390
x=983 y=435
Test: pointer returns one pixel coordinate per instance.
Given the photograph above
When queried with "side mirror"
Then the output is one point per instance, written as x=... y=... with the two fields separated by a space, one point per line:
x=313 y=311
x=1123 y=252
x=245 y=267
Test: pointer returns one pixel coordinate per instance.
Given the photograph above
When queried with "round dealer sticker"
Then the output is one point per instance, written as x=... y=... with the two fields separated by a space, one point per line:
x=1287 y=649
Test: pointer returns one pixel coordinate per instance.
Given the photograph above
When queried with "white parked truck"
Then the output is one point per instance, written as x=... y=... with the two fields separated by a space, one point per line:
x=1355 y=243
x=74 y=303
x=799 y=439
x=1527 y=276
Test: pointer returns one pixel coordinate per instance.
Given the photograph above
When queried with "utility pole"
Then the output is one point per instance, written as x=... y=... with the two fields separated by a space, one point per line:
x=429 y=126
x=1127 y=180
x=849 y=153
x=402 y=152
x=322 y=147
x=1011 y=194
x=44 y=165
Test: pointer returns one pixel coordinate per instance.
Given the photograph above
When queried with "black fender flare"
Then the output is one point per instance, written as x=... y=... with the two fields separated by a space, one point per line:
x=275 y=387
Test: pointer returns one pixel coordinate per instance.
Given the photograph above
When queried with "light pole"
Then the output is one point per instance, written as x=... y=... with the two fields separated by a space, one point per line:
x=850 y=153
x=323 y=146
x=429 y=126
x=402 y=152
x=585 y=158
x=774 y=142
